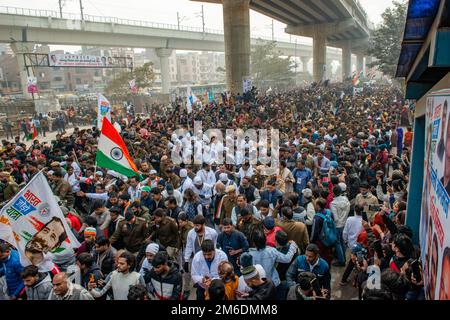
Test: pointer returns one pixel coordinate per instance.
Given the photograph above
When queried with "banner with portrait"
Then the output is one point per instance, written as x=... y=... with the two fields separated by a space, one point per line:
x=434 y=221
x=84 y=60
x=34 y=223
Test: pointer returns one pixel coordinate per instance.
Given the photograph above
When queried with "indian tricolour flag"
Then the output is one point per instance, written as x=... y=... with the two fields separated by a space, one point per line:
x=112 y=152
x=32 y=135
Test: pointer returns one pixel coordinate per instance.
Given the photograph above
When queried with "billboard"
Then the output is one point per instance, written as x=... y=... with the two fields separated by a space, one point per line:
x=81 y=60
x=434 y=221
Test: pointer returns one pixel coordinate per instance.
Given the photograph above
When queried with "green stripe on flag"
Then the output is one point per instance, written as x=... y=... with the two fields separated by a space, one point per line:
x=104 y=161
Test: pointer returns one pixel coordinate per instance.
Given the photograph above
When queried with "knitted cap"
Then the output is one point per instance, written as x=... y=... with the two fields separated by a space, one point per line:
x=89 y=231
x=152 y=248
x=249 y=272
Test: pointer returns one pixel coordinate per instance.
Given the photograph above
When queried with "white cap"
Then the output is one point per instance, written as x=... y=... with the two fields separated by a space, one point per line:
x=198 y=180
x=152 y=248
x=99 y=173
x=343 y=186
x=307 y=192
x=50 y=172
x=112 y=173
x=223 y=177
x=153 y=172
x=183 y=173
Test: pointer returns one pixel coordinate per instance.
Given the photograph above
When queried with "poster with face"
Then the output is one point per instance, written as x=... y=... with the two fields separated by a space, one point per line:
x=32 y=85
x=435 y=223
x=34 y=223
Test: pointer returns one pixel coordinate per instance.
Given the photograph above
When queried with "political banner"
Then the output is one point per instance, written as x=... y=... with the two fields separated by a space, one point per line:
x=104 y=110
x=82 y=60
x=434 y=220
x=32 y=85
x=34 y=223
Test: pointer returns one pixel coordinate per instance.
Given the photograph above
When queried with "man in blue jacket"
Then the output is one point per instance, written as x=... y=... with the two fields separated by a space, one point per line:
x=11 y=268
x=232 y=242
x=302 y=176
x=272 y=194
x=311 y=262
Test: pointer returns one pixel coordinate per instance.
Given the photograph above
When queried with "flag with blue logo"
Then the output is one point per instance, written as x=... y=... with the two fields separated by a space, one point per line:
x=104 y=110
x=191 y=99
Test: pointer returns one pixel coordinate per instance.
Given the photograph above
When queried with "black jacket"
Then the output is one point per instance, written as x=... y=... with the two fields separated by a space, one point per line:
x=106 y=262
x=168 y=287
x=93 y=270
x=266 y=291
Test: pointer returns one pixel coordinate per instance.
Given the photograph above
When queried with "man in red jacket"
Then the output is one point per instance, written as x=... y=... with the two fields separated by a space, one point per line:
x=270 y=229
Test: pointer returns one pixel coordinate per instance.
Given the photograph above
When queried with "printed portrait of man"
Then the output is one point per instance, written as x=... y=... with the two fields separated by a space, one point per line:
x=50 y=237
x=445 y=180
x=444 y=293
x=433 y=265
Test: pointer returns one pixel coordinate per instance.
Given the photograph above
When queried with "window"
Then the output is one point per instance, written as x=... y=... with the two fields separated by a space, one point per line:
x=78 y=81
x=57 y=79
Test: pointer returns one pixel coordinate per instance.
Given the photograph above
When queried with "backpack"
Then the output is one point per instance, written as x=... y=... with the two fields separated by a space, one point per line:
x=328 y=234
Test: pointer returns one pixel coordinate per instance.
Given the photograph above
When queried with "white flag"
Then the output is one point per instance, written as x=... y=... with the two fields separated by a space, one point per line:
x=34 y=223
x=104 y=110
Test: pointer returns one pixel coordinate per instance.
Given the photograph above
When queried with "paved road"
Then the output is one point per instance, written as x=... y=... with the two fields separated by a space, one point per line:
x=51 y=135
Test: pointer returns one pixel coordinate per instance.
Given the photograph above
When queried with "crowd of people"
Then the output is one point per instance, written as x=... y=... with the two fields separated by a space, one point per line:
x=214 y=231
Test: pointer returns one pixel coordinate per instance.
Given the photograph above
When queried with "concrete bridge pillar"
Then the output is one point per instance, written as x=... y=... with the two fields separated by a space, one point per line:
x=360 y=64
x=369 y=60
x=346 y=59
x=164 y=55
x=329 y=74
x=319 y=56
x=19 y=49
x=305 y=61
x=236 y=21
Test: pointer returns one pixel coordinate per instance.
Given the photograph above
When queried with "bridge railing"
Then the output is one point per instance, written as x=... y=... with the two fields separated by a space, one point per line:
x=101 y=19
x=121 y=21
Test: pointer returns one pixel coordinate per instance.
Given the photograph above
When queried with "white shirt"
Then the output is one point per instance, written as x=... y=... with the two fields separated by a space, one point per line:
x=353 y=227
x=200 y=268
x=73 y=181
x=207 y=177
x=186 y=184
x=243 y=287
x=135 y=193
x=177 y=196
x=210 y=234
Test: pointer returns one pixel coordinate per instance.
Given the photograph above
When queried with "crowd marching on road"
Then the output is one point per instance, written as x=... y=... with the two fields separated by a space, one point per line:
x=229 y=231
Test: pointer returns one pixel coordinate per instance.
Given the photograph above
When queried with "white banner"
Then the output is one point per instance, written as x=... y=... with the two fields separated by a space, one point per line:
x=247 y=84
x=81 y=60
x=434 y=219
x=104 y=110
x=34 y=223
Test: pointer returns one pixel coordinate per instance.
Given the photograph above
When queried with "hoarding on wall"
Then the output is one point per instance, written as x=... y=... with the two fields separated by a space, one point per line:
x=81 y=60
x=435 y=221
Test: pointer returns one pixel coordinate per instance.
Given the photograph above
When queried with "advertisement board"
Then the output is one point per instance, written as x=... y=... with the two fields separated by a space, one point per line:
x=435 y=222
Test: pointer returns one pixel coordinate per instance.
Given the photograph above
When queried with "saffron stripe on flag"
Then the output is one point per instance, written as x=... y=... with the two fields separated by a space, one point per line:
x=109 y=131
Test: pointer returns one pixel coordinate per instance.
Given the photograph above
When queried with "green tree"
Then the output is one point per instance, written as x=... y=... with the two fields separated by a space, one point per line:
x=267 y=63
x=144 y=76
x=385 y=43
